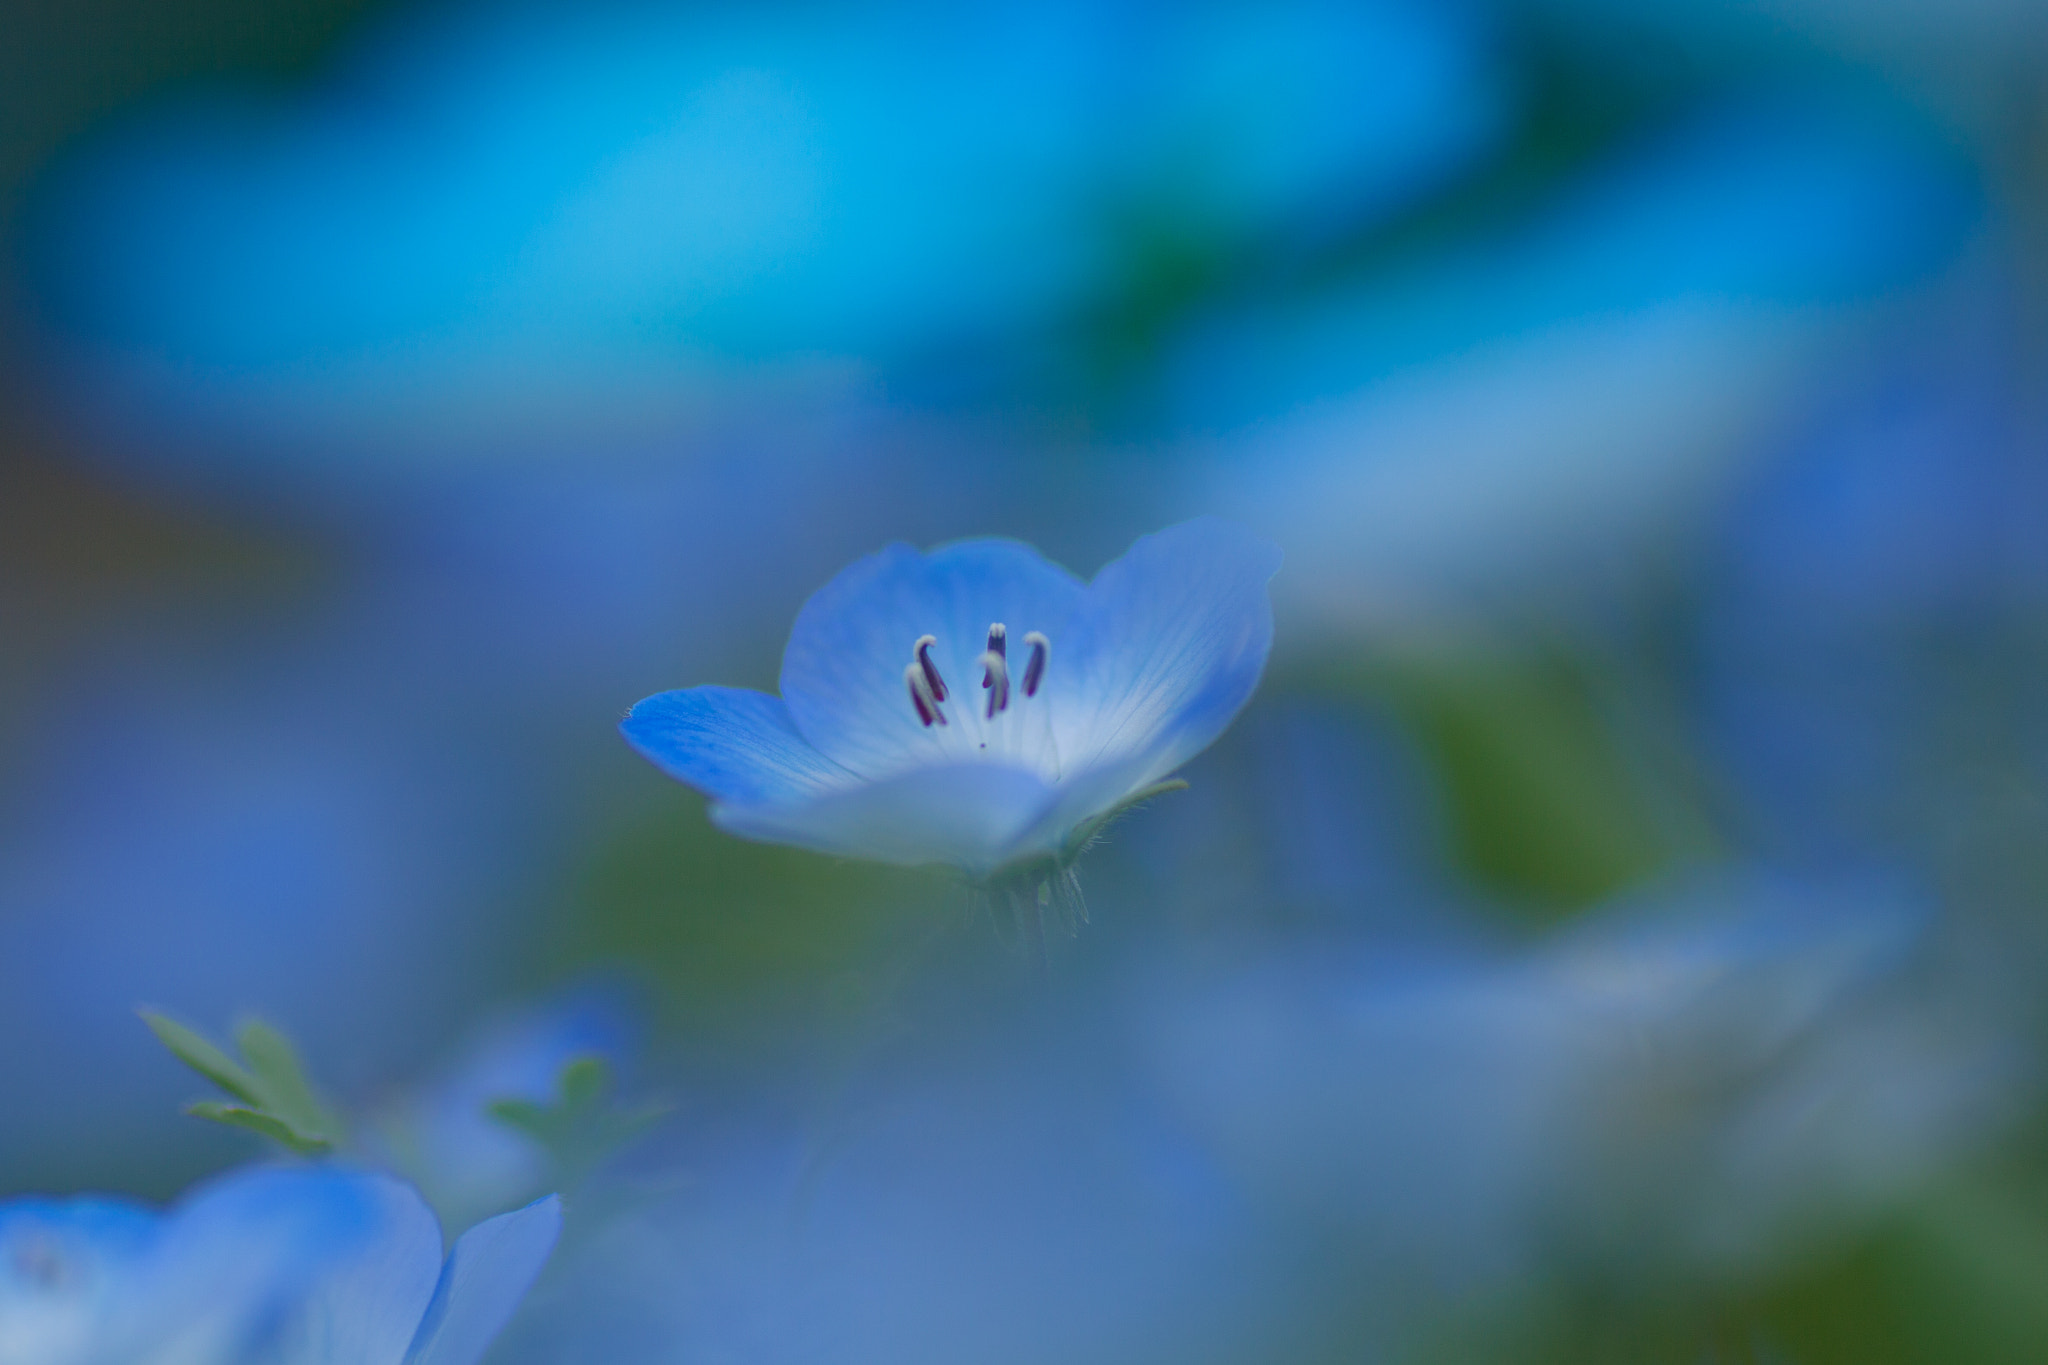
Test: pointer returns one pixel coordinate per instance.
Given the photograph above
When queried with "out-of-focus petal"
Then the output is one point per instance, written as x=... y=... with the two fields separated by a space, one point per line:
x=1167 y=648
x=487 y=1275
x=64 y=1264
x=731 y=743
x=232 y=1259
x=366 y=1309
x=842 y=674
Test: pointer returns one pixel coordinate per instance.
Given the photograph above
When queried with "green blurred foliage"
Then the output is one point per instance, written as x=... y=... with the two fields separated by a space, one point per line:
x=276 y=1099
x=1548 y=805
x=1957 y=1276
x=749 y=941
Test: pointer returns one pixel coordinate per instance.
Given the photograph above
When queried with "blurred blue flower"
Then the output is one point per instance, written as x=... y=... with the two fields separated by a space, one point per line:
x=264 y=1266
x=1700 y=1074
x=441 y=1133
x=881 y=746
x=1518 y=401
x=393 y=1300
x=98 y=1279
x=528 y=221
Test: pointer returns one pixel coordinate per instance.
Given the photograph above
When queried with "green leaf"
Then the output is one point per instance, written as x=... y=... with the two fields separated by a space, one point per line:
x=203 y=1057
x=276 y=1099
x=281 y=1079
x=269 y=1125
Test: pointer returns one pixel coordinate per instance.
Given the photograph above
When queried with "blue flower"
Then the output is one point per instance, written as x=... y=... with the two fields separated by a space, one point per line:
x=442 y=1134
x=883 y=746
x=282 y=1266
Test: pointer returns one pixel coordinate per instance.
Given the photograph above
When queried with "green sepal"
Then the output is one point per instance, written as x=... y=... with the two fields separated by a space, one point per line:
x=1034 y=870
x=268 y=1125
x=1089 y=830
x=277 y=1101
x=580 y=1127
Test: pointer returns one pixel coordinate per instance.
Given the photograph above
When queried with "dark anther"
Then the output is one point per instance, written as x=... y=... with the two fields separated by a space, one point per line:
x=998 y=645
x=921 y=697
x=1034 y=667
x=923 y=651
x=998 y=683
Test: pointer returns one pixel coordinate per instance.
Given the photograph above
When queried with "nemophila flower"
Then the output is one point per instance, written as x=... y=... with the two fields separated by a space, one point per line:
x=977 y=705
x=267 y=1266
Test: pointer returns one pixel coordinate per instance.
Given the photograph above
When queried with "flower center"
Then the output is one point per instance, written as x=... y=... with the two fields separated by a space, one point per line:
x=928 y=689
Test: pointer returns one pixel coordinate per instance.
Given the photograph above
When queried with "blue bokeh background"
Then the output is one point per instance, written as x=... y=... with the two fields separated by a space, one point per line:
x=1615 y=932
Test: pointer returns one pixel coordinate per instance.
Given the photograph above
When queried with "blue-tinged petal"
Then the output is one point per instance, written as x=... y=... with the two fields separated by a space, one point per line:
x=230 y=1261
x=90 y=1231
x=1166 y=649
x=842 y=674
x=365 y=1308
x=969 y=815
x=64 y=1266
x=732 y=744
x=487 y=1275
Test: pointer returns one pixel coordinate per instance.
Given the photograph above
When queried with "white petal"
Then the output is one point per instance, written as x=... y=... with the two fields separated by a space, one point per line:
x=1166 y=649
x=974 y=816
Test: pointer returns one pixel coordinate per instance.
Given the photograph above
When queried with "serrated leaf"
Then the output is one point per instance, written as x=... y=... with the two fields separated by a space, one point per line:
x=269 y=1125
x=195 y=1051
x=281 y=1080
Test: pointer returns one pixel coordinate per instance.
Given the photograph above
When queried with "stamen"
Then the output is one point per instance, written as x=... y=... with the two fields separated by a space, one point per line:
x=998 y=645
x=1034 y=667
x=998 y=683
x=921 y=698
x=922 y=651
